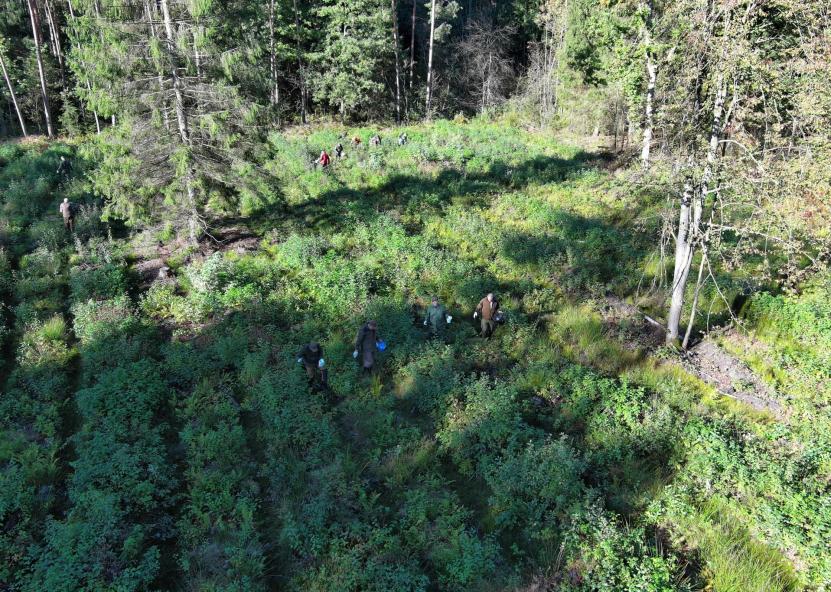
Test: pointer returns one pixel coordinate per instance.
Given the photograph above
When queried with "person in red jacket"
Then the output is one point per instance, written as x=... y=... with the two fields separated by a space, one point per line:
x=324 y=159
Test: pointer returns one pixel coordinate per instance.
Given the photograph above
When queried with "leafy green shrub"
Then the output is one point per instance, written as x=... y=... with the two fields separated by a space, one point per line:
x=41 y=262
x=6 y=274
x=210 y=275
x=602 y=554
x=535 y=486
x=159 y=301
x=483 y=422
x=45 y=343
x=121 y=488
x=97 y=320
x=298 y=252
x=435 y=525
x=428 y=382
x=218 y=529
x=50 y=234
x=365 y=558
x=97 y=282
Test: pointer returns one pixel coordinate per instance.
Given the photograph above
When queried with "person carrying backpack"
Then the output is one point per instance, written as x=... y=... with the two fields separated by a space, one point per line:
x=366 y=343
x=64 y=168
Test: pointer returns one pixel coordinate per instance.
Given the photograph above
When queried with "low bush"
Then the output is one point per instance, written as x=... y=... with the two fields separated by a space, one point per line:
x=218 y=538
x=121 y=490
x=534 y=486
x=99 y=282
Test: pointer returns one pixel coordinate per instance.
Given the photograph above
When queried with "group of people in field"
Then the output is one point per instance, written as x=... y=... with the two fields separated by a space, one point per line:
x=368 y=342
x=324 y=160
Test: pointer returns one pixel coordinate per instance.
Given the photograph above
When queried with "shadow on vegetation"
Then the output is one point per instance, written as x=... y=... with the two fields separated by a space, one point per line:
x=432 y=193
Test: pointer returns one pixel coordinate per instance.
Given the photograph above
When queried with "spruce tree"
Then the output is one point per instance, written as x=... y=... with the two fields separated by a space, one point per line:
x=355 y=54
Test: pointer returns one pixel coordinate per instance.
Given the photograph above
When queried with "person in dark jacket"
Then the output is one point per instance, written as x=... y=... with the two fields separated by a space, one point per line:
x=339 y=150
x=365 y=345
x=64 y=169
x=486 y=309
x=311 y=356
x=436 y=318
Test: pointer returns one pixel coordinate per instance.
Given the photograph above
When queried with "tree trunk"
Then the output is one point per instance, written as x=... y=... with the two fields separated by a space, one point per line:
x=652 y=76
x=683 y=260
x=715 y=135
x=177 y=83
x=274 y=95
x=686 y=241
x=412 y=45
x=47 y=111
x=184 y=132
x=55 y=36
x=397 y=61
x=196 y=57
x=160 y=77
x=300 y=71
x=14 y=97
x=696 y=294
x=427 y=112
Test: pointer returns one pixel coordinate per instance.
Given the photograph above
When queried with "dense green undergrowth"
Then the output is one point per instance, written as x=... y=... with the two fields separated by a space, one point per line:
x=551 y=455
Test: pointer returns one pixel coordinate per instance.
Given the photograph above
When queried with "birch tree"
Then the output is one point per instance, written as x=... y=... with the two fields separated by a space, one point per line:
x=441 y=12
x=44 y=92
x=760 y=155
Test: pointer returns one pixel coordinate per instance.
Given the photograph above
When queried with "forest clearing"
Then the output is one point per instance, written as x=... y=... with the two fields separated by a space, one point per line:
x=244 y=316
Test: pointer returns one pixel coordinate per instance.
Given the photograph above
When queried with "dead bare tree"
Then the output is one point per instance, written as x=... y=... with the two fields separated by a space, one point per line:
x=487 y=68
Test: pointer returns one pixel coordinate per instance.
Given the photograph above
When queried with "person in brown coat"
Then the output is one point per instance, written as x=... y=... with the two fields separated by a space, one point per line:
x=486 y=309
x=365 y=345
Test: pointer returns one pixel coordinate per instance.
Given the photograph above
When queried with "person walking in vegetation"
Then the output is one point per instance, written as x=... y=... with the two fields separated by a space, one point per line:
x=64 y=169
x=68 y=212
x=487 y=310
x=402 y=138
x=323 y=160
x=366 y=344
x=436 y=319
x=311 y=356
x=339 y=151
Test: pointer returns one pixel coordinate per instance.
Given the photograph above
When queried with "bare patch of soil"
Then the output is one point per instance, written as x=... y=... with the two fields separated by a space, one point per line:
x=730 y=376
x=636 y=330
